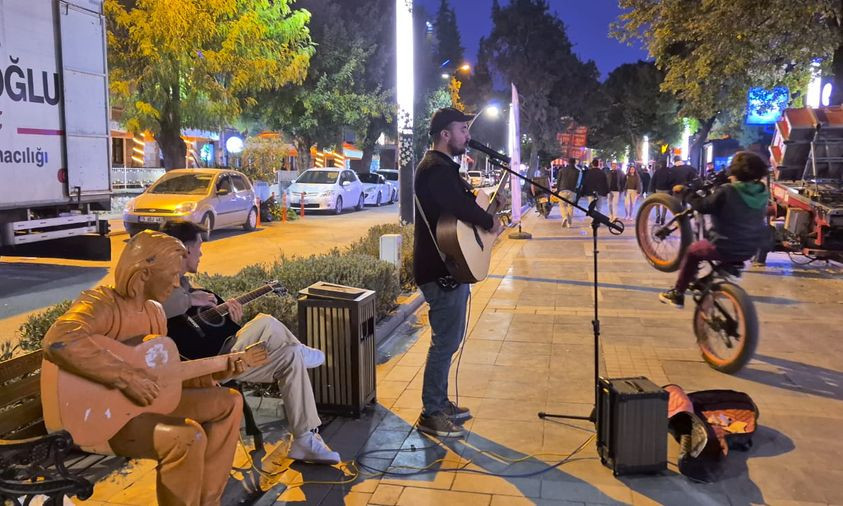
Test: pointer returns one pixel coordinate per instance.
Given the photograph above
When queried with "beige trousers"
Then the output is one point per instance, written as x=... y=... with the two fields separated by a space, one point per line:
x=285 y=366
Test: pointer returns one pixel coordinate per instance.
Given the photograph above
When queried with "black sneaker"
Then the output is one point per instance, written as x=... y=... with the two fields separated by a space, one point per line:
x=673 y=297
x=455 y=412
x=439 y=425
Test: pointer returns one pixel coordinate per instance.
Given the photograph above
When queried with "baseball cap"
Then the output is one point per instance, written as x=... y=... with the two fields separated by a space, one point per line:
x=445 y=116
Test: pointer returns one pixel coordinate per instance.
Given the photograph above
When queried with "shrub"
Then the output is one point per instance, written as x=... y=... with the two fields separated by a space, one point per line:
x=370 y=245
x=357 y=266
x=295 y=274
x=33 y=329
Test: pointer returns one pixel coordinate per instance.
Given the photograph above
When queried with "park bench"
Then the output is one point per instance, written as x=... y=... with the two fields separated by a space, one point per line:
x=33 y=462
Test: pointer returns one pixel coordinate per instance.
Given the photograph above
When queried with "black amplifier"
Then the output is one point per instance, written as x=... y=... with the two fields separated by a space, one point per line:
x=632 y=425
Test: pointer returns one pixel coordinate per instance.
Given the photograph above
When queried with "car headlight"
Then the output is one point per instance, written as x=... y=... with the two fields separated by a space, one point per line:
x=185 y=207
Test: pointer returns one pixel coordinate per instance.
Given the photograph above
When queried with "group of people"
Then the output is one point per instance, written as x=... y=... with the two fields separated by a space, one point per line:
x=194 y=444
x=618 y=190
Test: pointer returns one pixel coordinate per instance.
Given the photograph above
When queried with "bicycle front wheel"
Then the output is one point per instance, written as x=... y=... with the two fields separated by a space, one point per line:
x=726 y=327
x=662 y=237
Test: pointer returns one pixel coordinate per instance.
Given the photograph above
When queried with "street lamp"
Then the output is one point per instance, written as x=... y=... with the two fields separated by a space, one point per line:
x=492 y=110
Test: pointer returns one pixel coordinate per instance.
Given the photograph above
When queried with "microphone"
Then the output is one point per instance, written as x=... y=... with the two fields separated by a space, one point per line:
x=489 y=151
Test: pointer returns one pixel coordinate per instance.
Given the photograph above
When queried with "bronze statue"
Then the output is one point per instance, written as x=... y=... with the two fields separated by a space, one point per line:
x=194 y=445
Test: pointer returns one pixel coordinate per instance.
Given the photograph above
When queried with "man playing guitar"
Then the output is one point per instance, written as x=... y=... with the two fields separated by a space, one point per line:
x=439 y=190
x=194 y=445
x=288 y=357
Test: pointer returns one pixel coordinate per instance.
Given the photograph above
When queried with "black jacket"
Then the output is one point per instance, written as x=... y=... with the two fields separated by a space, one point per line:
x=738 y=221
x=662 y=180
x=569 y=178
x=684 y=174
x=617 y=181
x=439 y=189
x=595 y=180
x=645 y=181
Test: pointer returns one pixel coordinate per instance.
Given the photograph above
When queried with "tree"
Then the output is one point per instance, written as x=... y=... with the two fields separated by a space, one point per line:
x=555 y=86
x=448 y=45
x=261 y=157
x=636 y=107
x=712 y=52
x=177 y=64
x=336 y=94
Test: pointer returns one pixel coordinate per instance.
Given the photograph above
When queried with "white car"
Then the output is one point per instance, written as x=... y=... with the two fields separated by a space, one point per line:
x=475 y=177
x=391 y=176
x=333 y=189
x=375 y=188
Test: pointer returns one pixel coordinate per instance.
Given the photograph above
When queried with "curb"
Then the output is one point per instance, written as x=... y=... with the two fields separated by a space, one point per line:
x=387 y=326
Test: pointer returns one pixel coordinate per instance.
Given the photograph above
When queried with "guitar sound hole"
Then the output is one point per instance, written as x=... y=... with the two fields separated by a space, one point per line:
x=212 y=319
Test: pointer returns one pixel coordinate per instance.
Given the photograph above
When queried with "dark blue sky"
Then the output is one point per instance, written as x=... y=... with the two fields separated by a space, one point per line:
x=587 y=22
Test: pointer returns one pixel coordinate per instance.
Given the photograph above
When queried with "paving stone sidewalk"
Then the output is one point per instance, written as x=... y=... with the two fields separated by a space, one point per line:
x=529 y=349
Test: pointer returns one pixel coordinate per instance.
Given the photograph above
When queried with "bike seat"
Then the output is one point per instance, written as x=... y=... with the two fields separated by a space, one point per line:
x=731 y=268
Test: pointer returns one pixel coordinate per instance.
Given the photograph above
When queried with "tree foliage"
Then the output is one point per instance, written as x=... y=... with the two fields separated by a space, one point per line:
x=713 y=51
x=342 y=89
x=529 y=47
x=448 y=44
x=634 y=107
x=261 y=157
x=177 y=64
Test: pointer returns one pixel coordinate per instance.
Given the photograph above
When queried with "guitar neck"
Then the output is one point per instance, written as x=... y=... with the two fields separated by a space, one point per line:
x=246 y=298
x=204 y=366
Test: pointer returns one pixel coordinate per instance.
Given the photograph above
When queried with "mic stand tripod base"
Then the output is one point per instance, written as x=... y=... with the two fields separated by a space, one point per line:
x=590 y=418
x=520 y=234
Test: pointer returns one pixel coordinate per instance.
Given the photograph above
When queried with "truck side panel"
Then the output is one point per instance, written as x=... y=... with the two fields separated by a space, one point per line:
x=86 y=110
x=31 y=136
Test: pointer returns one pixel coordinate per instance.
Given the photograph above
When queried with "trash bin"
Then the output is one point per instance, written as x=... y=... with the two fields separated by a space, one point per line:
x=340 y=321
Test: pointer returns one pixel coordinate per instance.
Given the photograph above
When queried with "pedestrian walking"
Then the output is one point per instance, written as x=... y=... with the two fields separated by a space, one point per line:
x=617 y=187
x=566 y=185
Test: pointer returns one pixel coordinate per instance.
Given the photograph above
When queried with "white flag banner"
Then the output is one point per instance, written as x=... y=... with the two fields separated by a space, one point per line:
x=515 y=155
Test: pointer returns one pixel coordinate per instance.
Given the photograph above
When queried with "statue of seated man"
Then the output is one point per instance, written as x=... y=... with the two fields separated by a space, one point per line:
x=194 y=445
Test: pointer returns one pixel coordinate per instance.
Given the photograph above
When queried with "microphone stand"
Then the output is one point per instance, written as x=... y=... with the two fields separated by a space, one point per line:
x=597 y=218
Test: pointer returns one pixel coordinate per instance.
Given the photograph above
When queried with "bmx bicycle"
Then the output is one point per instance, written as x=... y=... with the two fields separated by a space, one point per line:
x=725 y=321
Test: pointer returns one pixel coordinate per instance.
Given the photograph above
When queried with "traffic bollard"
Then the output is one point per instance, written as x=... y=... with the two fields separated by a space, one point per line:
x=284 y=207
x=258 y=217
x=301 y=204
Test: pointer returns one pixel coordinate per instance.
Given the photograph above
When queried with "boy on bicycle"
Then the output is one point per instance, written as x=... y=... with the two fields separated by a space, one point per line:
x=737 y=212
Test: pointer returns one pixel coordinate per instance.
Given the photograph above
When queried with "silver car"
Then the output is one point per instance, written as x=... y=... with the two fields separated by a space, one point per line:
x=214 y=198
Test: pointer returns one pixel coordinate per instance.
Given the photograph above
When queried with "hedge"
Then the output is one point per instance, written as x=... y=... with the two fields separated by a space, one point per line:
x=370 y=245
x=354 y=266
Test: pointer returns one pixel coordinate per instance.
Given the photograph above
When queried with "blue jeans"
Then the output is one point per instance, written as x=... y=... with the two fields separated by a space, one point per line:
x=447 y=323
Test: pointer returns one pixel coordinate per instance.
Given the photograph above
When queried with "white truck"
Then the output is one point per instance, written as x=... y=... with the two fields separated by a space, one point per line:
x=55 y=162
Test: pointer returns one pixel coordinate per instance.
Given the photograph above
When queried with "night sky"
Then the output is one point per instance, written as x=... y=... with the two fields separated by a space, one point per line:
x=587 y=22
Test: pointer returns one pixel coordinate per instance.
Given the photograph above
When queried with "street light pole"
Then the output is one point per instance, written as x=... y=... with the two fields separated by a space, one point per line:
x=405 y=94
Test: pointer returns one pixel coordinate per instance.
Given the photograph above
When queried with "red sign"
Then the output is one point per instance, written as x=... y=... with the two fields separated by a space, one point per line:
x=575 y=137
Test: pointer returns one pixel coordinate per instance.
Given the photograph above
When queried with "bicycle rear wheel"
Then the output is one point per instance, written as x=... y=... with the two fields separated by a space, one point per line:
x=726 y=327
x=662 y=237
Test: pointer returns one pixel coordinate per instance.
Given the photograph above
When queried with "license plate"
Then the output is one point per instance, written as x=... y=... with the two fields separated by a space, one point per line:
x=151 y=219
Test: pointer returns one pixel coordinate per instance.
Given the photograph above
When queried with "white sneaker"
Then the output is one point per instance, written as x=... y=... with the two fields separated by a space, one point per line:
x=311 y=356
x=311 y=448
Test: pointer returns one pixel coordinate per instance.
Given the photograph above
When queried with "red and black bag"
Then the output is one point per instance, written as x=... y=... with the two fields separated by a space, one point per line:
x=707 y=424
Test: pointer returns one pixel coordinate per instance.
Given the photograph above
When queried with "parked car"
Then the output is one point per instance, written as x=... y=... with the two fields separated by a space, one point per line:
x=376 y=190
x=391 y=176
x=333 y=189
x=213 y=198
x=475 y=177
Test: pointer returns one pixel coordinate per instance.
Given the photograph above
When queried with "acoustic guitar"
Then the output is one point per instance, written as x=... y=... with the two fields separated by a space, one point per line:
x=202 y=331
x=93 y=413
x=468 y=247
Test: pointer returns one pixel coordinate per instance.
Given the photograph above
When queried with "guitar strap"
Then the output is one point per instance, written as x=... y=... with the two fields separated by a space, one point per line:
x=448 y=282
